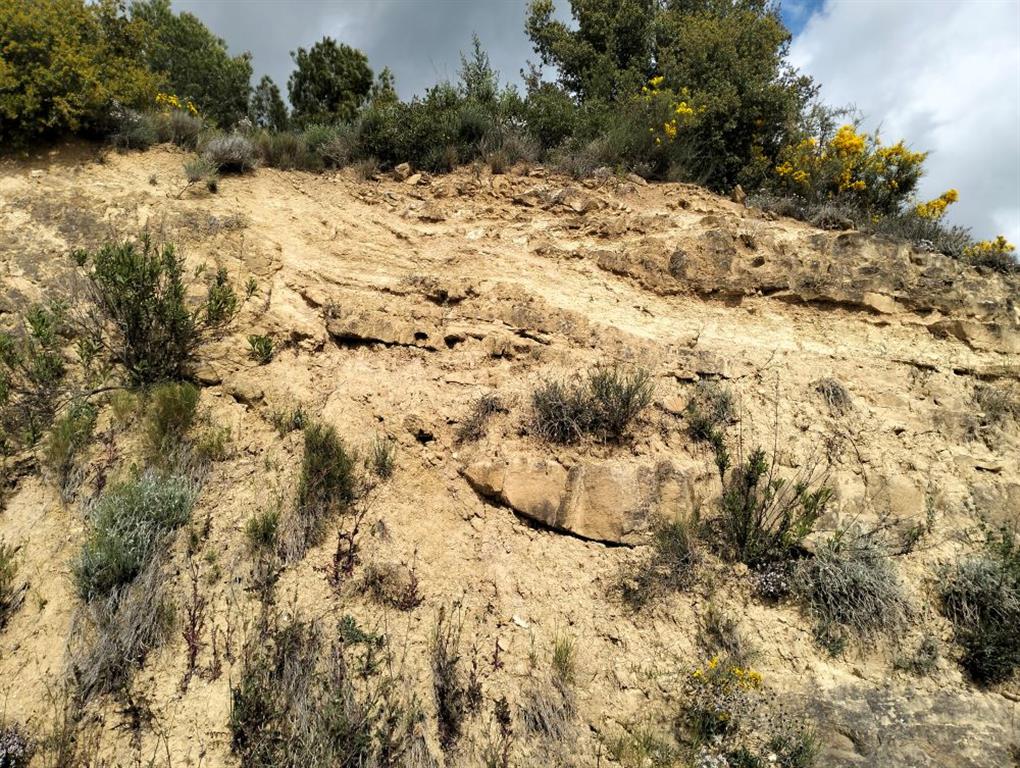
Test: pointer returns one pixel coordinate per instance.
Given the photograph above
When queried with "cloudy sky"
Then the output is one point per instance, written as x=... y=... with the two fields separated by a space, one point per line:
x=942 y=74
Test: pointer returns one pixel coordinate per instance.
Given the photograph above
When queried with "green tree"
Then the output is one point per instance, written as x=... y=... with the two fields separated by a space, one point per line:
x=729 y=57
x=267 y=109
x=63 y=64
x=384 y=89
x=478 y=80
x=193 y=63
x=331 y=82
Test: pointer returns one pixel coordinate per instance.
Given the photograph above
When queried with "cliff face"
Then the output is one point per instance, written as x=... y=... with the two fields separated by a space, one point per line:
x=394 y=306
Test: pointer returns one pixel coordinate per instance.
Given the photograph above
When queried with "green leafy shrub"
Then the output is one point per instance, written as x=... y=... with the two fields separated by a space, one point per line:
x=286 y=151
x=128 y=526
x=852 y=590
x=69 y=435
x=65 y=64
x=765 y=517
x=328 y=484
x=170 y=412
x=141 y=315
x=230 y=153
x=708 y=413
x=260 y=348
x=603 y=405
x=980 y=595
x=32 y=370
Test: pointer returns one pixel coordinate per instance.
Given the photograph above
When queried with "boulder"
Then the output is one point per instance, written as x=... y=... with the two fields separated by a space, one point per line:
x=402 y=171
x=609 y=501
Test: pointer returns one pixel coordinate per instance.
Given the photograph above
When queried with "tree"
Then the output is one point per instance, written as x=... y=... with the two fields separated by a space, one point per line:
x=727 y=56
x=331 y=82
x=267 y=109
x=192 y=63
x=384 y=89
x=63 y=64
x=478 y=81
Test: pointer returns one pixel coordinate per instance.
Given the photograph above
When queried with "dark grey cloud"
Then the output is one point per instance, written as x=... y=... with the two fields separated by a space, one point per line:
x=420 y=40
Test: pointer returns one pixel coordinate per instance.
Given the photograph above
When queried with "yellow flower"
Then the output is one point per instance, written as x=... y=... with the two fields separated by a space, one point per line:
x=936 y=209
x=847 y=141
x=670 y=129
x=656 y=81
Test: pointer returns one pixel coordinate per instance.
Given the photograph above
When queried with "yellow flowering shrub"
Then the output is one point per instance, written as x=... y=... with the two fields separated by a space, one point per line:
x=850 y=167
x=718 y=696
x=936 y=209
x=169 y=102
x=999 y=254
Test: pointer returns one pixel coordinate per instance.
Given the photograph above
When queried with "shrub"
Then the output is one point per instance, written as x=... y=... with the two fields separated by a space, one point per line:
x=998 y=402
x=129 y=525
x=180 y=127
x=70 y=434
x=980 y=595
x=721 y=637
x=16 y=746
x=262 y=530
x=170 y=414
x=66 y=63
x=289 y=708
x=851 y=588
x=603 y=405
x=231 y=153
x=212 y=445
x=708 y=413
x=133 y=129
x=835 y=395
x=728 y=720
x=140 y=314
x=765 y=517
x=564 y=660
x=200 y=171
x=393 y=585
x=115 y=631
x=997 y=254
x=10 y=596
x=286 y=151
x=328 y=484
x=32 y=370
x=923 y=660
x=260 y=348
x=672 y=566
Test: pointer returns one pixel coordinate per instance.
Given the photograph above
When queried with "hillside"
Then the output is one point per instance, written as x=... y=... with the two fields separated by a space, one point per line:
x=394 y=305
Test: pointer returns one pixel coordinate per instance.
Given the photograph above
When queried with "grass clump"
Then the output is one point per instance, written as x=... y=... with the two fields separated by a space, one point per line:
x=852 y=590
x=115 y=630
x=383 y=458
x=603 y=405
x=980 y=595
x=11 y=596
x=457 y=695
x=672 y=566
x=170 y=413
x=69 y=435
x=301 y=701
x=765 y=517
x=260 y=348
x=923 y=660
x=129 y=525
x=483 y=409
x=232 y=153
x=328 y=485
x=285 y=422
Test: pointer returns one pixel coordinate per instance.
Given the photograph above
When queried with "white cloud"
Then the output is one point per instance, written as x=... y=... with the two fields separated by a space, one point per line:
x=945 y=76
